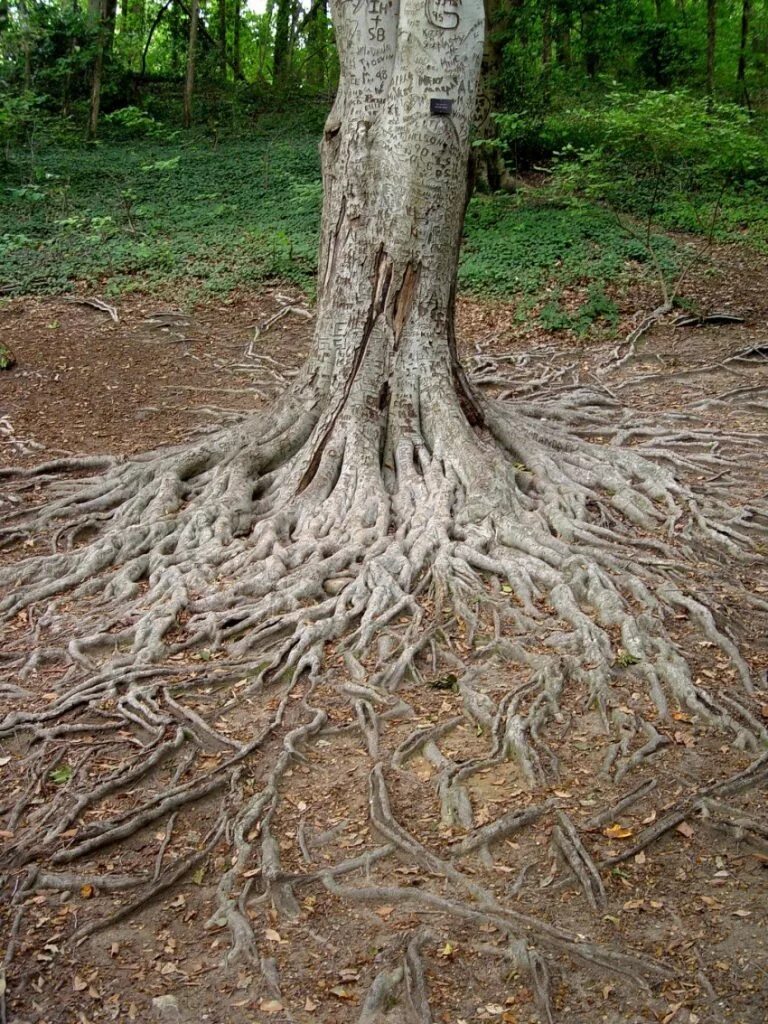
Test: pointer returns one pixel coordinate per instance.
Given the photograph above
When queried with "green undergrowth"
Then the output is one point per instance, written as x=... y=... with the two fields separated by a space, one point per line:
x=561 y=260
x=207 y=216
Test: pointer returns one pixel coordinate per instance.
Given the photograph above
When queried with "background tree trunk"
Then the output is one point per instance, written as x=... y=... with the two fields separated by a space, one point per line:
x=280 y=51
x=236 y=39
x=741 y=71
x=189 y=82
x=316 y=27
x=222 y=34
x=25 y=44
x=711 y=44
x=96 y=20
x=546 y=33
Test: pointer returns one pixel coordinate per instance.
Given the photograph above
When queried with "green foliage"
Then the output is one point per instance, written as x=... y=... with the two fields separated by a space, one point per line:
x=598 y=308
x=675 y=138
x=214 y=218
x=133 y=123
x=670 y=157
x=61 y=774
x=7 y=358
x=164 y=214
x=18 y=117
x=537 y=250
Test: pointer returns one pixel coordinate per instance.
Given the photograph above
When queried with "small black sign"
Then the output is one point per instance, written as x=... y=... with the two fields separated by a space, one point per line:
x=440 y=107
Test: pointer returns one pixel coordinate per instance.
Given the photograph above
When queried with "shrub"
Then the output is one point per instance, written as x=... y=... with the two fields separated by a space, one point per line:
x=672 y=139
x=133 y=123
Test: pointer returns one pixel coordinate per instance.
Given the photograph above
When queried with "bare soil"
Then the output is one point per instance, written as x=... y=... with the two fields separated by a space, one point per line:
x=696 y=899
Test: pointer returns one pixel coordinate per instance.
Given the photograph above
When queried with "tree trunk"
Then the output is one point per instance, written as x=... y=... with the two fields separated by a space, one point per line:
x=282 y=33
x=96 y=22
x=564 y=38
x=741 y=71
x=137 y=16
x=25 y=44
x=711 y=42
x=546 y=33
x=189 y=82
x=236 y=39
x=316 y=29
x=101 y=16
x=222 y=33
x=394 y=157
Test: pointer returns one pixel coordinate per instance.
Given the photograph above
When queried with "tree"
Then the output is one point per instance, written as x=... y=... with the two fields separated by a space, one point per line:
x=236 y=19
x=189 y=80
x=222 y=35
x=101 y=17
x=25 y=43
x=741 y=71
x=711 y=45
x=383 y=504
x=281 y=50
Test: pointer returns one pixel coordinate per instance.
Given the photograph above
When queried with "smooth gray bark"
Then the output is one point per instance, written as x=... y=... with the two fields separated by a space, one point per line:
x=395 y=175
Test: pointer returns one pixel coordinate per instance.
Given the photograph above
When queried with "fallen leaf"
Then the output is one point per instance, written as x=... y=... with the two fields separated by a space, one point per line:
x=384 y=911
x=87 y=891
x=270 y=1005
x=79 y=984
x=340 y=992
x=618 y=832
x=685 y=829
x=309 y=1006
x=272 y=936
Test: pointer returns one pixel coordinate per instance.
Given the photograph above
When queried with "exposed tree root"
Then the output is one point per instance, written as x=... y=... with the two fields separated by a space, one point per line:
x=400 y=547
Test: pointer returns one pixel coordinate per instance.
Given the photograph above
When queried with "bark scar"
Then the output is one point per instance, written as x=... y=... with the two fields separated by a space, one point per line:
x=382 y=280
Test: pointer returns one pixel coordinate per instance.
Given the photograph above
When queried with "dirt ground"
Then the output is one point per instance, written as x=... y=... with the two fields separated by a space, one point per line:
x=695 y=900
